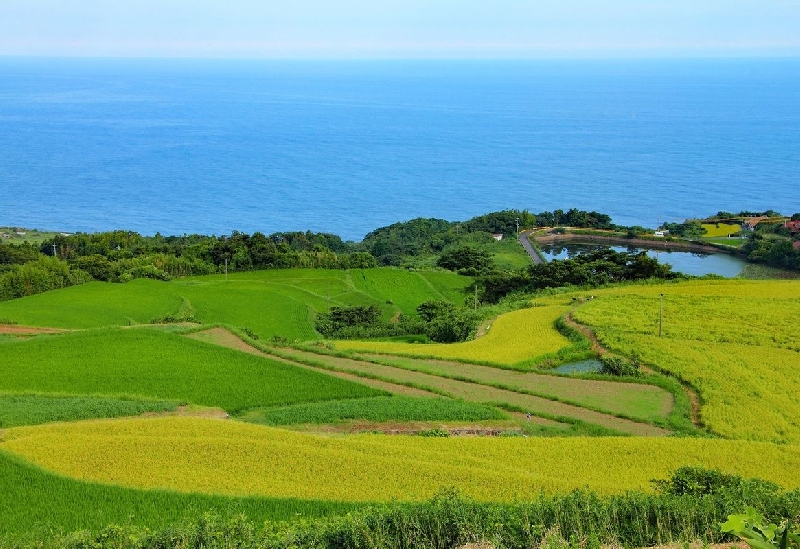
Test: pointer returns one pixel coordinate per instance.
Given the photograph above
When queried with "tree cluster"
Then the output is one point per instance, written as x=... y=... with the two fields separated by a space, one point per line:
x=772 y=249
x=688 y=229
x=591 y=269
x=41 y=275
x=440 y=321
x=420 y=237
x=118 y=256
x=466 y=260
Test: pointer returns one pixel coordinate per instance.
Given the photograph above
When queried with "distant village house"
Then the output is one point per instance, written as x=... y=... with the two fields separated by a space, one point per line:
x=497 y=236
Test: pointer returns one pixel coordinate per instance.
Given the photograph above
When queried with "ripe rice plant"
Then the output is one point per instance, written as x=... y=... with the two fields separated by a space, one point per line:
x=514 y=337
x=35 y=504
x=237 y=459
x=721 y=229
x=731 y=340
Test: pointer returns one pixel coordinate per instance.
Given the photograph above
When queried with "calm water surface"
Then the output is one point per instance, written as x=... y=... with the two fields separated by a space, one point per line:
x=346 y=147
x=684 y=262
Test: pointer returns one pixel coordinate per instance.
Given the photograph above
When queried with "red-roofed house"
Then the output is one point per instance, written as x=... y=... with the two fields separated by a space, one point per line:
x=793 y=226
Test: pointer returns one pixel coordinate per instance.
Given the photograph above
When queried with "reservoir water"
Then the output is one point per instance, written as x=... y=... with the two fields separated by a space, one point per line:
x=690 y=263
x=185 y=146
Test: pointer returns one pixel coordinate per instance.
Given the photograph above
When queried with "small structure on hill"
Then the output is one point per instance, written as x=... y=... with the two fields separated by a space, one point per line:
x=497 y=236
x=749 y=223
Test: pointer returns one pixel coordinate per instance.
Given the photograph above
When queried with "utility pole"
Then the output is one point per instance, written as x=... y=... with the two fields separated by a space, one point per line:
x=476 y=296
x=516 y=220
x=660 y=314
x=226 y=269
x=54 y=249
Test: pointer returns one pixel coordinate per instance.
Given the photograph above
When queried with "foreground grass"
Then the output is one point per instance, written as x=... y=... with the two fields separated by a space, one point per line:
x=238 y=459
x=378 y=409
x=157 y=365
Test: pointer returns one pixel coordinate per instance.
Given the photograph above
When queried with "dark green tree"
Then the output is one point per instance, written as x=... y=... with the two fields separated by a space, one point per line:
x=466 y=260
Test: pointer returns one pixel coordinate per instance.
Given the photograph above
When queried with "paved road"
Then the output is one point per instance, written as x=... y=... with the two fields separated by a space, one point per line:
x=526 y=243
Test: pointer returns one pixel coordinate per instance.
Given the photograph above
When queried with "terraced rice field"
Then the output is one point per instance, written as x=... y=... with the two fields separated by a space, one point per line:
x=269 y=303
x=225 y=457
x=721 y=229
x=473 y=392
x=644 y=402
x=732 y=341
x=146 y=364
x=514 y=338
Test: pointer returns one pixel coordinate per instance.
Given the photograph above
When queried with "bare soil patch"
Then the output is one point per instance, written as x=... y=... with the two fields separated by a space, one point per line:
x=610 y=396
x=543 y=421
x=192 y=411
x=13 y=329
x=415 y=428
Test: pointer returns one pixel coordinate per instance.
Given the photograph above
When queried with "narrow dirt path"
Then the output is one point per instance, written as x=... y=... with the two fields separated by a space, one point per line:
x=597 y=347
x=587 y=332
x=220 y=336
x=392 y=379
x=13 y=329
x=477 y=392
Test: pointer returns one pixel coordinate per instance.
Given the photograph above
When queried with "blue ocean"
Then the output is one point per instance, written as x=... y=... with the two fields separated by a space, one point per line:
x=193 y=146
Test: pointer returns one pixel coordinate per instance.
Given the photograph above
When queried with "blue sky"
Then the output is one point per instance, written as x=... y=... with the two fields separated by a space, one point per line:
x=400 y=28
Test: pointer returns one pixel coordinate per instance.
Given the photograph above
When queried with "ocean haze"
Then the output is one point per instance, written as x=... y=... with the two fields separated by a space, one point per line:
x=190 y=146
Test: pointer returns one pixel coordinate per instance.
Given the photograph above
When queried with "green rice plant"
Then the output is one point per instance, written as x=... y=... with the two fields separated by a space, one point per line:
x=150 y=364
x=270 y=303
x=31 y=409
x=378 y=409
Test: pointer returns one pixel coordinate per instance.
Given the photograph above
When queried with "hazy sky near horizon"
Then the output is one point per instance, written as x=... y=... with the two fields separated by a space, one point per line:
x=399 y=28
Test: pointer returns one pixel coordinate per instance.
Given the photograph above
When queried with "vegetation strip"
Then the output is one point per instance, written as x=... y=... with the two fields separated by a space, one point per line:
x=481 y=393
x=639 y=401
x=225 y=338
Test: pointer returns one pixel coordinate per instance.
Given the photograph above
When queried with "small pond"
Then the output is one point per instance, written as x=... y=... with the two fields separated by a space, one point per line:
x=690 y=263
